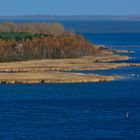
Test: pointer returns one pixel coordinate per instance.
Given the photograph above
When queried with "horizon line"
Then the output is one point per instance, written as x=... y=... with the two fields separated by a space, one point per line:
x=70 y=15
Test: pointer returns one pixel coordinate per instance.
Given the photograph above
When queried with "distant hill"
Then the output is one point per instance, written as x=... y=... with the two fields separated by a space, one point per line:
x=73 y=17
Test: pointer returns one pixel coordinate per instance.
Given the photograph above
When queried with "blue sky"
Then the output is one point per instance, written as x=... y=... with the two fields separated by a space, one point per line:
x=70 y=7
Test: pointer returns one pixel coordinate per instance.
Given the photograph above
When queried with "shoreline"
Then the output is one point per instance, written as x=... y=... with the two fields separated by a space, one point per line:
x=53 y=70
x=52 y=77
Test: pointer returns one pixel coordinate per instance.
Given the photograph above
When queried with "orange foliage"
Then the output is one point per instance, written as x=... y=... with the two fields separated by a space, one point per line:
x=64 y=45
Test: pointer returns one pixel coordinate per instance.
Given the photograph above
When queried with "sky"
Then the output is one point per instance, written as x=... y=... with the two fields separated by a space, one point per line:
x=69 y=7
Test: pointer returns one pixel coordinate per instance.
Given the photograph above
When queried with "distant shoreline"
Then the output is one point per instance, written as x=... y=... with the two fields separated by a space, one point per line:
x=75 y=17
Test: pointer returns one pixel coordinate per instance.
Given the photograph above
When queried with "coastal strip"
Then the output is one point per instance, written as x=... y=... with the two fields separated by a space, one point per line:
x=54 y=70
x=84 y=63
x=52 y=77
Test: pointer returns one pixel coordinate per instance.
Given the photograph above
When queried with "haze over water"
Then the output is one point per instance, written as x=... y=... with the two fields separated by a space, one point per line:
x=85 y=111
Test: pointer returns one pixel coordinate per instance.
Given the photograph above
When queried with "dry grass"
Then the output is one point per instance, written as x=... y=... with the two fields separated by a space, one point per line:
x=52 y=77
x=48 y=71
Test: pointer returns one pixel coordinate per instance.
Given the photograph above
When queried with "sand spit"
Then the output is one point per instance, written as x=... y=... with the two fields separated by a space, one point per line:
x=52 y=77
x=52 y=70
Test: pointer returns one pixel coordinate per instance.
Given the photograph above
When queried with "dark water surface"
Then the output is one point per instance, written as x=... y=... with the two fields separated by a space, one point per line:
x=70 y=111
x=88 y=111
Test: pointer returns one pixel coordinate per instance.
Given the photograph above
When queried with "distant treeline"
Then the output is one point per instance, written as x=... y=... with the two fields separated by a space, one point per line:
x=18 y=43
x=41 y=28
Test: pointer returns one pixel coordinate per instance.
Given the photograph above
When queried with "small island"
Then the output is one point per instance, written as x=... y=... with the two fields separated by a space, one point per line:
x=45 y=53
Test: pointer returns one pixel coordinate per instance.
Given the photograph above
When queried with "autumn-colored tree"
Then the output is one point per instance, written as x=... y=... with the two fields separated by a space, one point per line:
x=41 y=40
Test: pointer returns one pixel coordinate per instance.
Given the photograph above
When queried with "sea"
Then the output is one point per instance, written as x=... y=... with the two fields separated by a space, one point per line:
x=83 y=111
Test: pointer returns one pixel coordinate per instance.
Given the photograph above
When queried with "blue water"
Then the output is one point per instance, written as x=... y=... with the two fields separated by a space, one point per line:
x=70 y=111
x=118 y=41
x=86 y=111
x=125 y=73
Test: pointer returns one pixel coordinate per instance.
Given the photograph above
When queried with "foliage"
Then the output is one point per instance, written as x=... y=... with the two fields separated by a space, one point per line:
x=18 y=36
x=41 y=40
